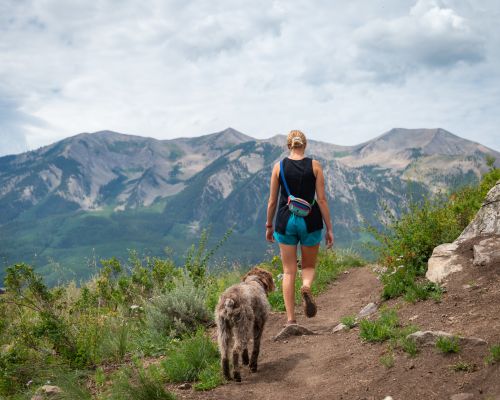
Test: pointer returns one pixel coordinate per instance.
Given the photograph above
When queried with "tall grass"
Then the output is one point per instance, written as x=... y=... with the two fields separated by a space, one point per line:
x=194 y=358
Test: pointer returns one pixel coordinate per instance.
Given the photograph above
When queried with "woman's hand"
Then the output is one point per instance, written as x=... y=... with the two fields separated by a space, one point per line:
x=269 y=235
x=329 y=240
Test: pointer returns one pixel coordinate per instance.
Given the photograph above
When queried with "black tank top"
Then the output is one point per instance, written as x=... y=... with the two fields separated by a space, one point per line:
x=301 y=181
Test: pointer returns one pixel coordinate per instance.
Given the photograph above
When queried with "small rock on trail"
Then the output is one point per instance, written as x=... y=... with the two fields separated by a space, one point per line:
x=292 y=330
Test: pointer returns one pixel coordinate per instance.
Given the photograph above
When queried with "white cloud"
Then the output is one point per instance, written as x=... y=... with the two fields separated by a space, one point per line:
x=343 y=72
x=430 y=36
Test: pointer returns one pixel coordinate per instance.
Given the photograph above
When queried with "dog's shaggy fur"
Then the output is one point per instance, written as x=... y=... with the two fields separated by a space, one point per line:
x=242 y=311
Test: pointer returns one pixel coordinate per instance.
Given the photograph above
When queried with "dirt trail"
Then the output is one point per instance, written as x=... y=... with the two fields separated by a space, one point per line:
x=341 y=366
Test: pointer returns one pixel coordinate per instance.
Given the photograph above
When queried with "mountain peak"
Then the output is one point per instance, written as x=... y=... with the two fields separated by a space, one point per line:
x=232 y=135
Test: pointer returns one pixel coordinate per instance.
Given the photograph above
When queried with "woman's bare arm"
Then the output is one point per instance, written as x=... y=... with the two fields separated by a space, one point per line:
x=273 y=201
x=323 y=203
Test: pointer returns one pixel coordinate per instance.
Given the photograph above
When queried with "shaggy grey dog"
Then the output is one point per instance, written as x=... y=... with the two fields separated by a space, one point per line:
x=241 y=312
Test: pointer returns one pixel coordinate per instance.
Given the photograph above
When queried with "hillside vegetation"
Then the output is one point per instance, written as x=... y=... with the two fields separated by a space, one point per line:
x=128 y=332
x=406 y=243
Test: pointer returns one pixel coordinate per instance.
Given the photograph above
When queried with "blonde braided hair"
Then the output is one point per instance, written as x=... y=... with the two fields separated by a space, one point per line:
x=296 y=139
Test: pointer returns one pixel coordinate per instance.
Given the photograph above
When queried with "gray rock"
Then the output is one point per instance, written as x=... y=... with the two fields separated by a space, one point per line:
x=487 y=252
x=292 y=330
x=462 y=396
x=429 y=338
x=50 y=390
x=339 y=327
x=443 y=262
x=367 y=310
x=184 y=386
x=487 y=220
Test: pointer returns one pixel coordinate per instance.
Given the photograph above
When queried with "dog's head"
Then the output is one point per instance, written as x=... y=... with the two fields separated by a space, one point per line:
x=264 y=277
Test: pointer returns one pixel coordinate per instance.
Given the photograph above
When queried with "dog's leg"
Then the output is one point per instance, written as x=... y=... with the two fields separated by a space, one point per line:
x=224 y=338
x=241 y=342
x=236 y=364
x=244 y=357
x=258 y=329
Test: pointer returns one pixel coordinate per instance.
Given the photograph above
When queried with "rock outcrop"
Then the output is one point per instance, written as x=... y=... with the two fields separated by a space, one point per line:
x=446 y=258
x=487 y=220
x=429 y=338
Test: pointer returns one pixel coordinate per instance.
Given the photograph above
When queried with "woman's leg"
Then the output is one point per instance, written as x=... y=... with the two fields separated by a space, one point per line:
x=309 y=257
x=289 y=260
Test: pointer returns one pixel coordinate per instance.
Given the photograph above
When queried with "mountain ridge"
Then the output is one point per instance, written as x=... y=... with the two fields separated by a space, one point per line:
x=127 y=191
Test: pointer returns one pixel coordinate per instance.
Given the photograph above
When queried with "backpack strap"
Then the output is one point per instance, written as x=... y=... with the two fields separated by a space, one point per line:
x=282 y=173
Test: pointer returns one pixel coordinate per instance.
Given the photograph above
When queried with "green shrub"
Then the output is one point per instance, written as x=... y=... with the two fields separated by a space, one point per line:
x=382 y=329
x=387 y=360
x=72 y=384
x=197 y=258
x=139 y=383
x=18 y=365
x=387 y=327
x=349 y=321
x=448 y=345
x=408 y=346
x=494 y=355
x=210 y=377
x=190 y=357
x=463 y=366
x=406 y=243
x=178 y=311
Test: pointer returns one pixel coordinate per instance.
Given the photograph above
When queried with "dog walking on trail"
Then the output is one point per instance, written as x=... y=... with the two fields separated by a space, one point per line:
x=241 y=314
x=302 y=210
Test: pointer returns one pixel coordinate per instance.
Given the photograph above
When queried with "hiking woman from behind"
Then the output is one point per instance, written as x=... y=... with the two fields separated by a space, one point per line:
x=301 y=211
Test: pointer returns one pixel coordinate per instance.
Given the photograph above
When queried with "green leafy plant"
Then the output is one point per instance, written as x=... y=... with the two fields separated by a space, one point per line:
x=210 y=377
x=178 y=311
x=494 y=355
x=349 y=321
x=188 y=360
x=197 y=258
x=139 y=383
x=408 y=346
x=462 y=366
x=448 y=345
x=381 y=329
x=387 y=360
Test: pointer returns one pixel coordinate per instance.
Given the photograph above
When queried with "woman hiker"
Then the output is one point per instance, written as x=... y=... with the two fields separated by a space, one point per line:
x=304 y=178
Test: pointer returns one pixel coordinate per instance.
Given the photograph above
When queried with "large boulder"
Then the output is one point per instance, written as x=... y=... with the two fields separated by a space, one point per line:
x=446 y=259
x=443 y=262
x=487 y=220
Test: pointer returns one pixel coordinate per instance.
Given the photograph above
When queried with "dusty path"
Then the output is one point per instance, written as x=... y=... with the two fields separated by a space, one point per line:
x=341 y=366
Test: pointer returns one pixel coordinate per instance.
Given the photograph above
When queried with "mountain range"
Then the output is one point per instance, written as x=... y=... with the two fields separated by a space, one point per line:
x=96 y=195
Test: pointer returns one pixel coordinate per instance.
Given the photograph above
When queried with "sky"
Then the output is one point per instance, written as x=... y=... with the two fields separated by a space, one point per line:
x=342 y=71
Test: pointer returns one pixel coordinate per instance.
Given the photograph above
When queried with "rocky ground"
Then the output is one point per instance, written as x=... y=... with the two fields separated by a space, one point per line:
x=341 y=366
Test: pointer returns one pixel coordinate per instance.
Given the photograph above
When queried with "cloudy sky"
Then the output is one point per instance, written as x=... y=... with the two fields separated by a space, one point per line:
x=342 y=71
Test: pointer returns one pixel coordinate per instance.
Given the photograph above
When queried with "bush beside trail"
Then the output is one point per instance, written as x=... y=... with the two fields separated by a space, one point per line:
x=406 y=243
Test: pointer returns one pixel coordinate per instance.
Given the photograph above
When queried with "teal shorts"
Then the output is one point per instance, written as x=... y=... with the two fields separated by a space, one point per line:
x=296 y=231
